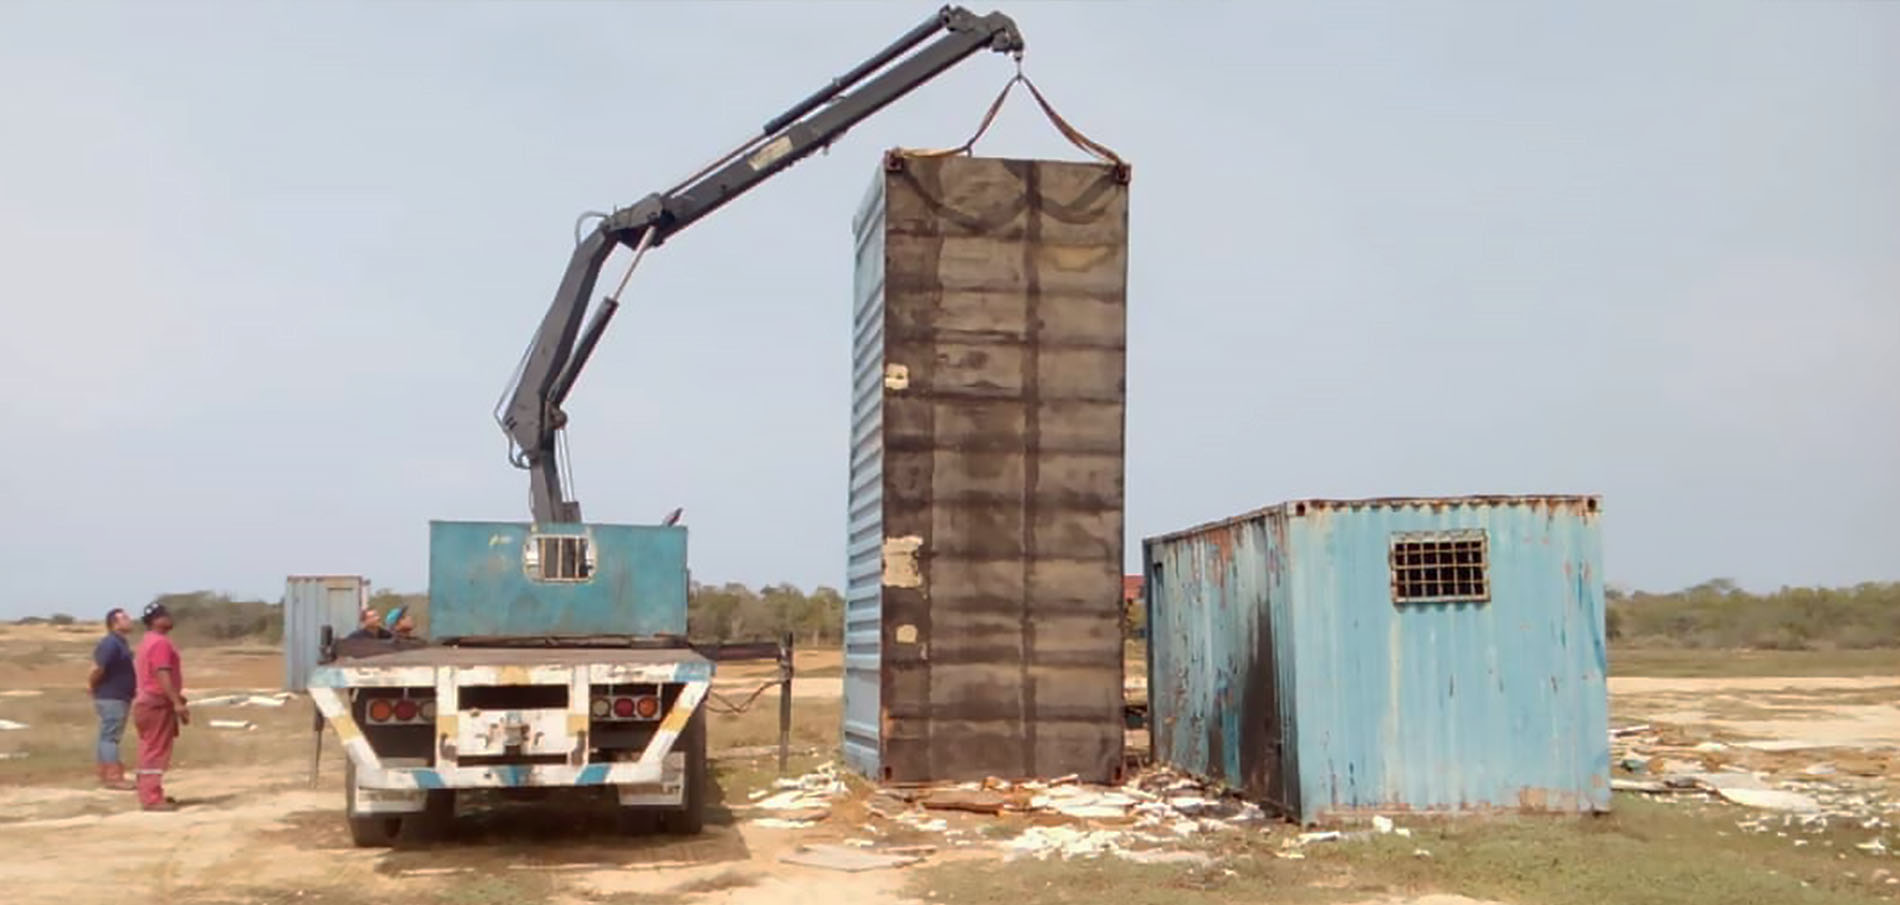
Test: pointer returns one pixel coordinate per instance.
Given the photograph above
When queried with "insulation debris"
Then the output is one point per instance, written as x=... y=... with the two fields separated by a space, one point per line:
x=238 y=725
x=244 y=700
x=11 y=726
x=796 y=802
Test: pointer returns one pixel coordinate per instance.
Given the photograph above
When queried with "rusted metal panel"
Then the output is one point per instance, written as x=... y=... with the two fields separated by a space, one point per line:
x=312 y=602
x=983 y=612
x=1311 y=654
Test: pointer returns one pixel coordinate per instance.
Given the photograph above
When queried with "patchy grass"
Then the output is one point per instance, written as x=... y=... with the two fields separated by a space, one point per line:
x=62 y=729
x=1677 y=664
x=1094 y=882
x=735 y=780
x=815 y=723
x=1645 y=853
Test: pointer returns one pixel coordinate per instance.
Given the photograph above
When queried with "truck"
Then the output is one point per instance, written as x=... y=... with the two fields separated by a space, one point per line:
x=556 y=654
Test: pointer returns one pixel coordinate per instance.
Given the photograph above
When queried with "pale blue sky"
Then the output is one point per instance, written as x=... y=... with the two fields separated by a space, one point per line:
x=266 y=267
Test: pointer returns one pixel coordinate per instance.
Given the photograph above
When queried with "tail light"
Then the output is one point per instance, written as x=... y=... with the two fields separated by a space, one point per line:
x=400 y=710
x=627 y=707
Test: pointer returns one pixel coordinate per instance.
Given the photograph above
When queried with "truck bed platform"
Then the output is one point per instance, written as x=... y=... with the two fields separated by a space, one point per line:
x=527 y=656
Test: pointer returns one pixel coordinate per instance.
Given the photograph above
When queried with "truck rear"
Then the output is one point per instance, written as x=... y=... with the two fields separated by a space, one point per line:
x=555 y=658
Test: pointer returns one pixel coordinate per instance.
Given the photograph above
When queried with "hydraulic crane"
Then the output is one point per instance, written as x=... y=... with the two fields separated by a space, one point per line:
x=532 y=416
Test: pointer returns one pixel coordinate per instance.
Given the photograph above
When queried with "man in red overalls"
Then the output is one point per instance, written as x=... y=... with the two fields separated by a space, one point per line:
x=159 y=709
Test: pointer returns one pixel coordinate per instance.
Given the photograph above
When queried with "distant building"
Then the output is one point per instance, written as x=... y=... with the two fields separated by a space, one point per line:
x=1422 y=655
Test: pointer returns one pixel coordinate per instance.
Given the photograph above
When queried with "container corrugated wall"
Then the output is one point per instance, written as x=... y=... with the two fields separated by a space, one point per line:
x=983 y=613
x=310 y=603
x=1498 y=703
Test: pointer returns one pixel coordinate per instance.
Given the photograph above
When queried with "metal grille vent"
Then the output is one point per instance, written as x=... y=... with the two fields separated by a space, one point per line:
x=560 y=557
x=1440 y=567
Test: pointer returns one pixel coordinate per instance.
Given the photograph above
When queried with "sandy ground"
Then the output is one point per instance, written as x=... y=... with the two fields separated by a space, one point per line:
x=1843 y=712
x=259 y=831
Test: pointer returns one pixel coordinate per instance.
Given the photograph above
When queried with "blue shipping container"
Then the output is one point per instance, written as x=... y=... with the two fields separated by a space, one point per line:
x=515 y=579
x=1332 y=658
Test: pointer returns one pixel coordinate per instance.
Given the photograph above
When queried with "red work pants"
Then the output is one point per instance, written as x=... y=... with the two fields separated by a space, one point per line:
x=157 y=725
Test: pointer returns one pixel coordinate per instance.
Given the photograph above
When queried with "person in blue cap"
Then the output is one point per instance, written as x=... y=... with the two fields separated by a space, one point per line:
x=398 y=624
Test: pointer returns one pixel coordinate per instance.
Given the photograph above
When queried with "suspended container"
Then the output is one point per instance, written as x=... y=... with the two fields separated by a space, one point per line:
x=310 y=603
x=1335 y=658
x=983 y=604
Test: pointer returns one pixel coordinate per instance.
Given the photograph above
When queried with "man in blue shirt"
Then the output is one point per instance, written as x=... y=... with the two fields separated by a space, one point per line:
x=113 y=683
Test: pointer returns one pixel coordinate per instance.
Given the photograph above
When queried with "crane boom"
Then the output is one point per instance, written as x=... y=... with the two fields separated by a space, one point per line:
x=532 y=416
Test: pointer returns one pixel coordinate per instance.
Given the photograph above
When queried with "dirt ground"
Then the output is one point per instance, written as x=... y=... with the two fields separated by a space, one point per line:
x=255 y=829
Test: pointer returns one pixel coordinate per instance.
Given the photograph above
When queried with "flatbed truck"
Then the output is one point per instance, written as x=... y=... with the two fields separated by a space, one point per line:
x=556 y=654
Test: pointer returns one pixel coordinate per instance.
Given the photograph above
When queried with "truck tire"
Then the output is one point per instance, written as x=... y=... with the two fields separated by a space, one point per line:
x=366 y=832
x=428 y=825
x=689 y=819
x=434 y=821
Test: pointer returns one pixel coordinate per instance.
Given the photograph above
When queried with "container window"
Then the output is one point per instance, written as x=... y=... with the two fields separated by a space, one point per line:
x=559 y=557
x=1441 y=567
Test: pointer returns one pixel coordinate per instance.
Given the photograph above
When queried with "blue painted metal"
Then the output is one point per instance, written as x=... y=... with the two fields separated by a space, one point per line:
x=312 y=602
x=478 y=585
x=1280 y=665
x=864 y=520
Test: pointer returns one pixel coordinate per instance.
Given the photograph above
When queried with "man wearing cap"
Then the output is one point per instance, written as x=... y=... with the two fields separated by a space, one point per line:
x=113 y=684
x=159 y=709
x=397 y=623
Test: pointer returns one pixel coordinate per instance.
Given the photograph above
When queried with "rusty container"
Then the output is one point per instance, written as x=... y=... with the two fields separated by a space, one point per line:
x=1338 y=658
x=982 y=623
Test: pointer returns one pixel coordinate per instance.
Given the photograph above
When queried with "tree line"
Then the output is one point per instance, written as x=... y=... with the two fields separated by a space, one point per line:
x=726 y=612
x=1716 y=614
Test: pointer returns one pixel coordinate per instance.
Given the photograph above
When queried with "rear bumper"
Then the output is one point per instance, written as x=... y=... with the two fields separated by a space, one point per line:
x=656 y=771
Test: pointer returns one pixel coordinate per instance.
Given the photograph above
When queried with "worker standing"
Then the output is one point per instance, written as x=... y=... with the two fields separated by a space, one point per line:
x=160 y=707
x=113 y=684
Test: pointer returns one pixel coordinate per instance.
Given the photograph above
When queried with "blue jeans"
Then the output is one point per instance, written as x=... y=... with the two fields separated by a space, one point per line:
x=111 y=727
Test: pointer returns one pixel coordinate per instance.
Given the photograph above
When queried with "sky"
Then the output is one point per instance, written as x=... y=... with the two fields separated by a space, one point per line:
x=266 y=267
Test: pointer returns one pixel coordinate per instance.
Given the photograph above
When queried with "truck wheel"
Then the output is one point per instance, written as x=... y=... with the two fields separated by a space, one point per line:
x=689 y=819
x=375 y=831
x=434 y=821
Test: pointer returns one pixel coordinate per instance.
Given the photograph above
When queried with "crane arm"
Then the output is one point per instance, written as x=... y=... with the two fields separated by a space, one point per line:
x=532 y=416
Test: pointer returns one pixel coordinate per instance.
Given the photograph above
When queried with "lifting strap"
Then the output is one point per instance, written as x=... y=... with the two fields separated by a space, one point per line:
x=1094 y=148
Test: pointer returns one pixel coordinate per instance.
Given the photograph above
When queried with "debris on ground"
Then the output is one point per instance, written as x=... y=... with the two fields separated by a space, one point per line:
x=1042 y=842
x=240 y=725
x=20 y=693
x=245 y=700
x=798 y=802
x=1791 y=788
x=978 y=801
x=853 y=859
x=1072 y=819
x=12 y=755
x=1770 y=799
x=11 y=726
